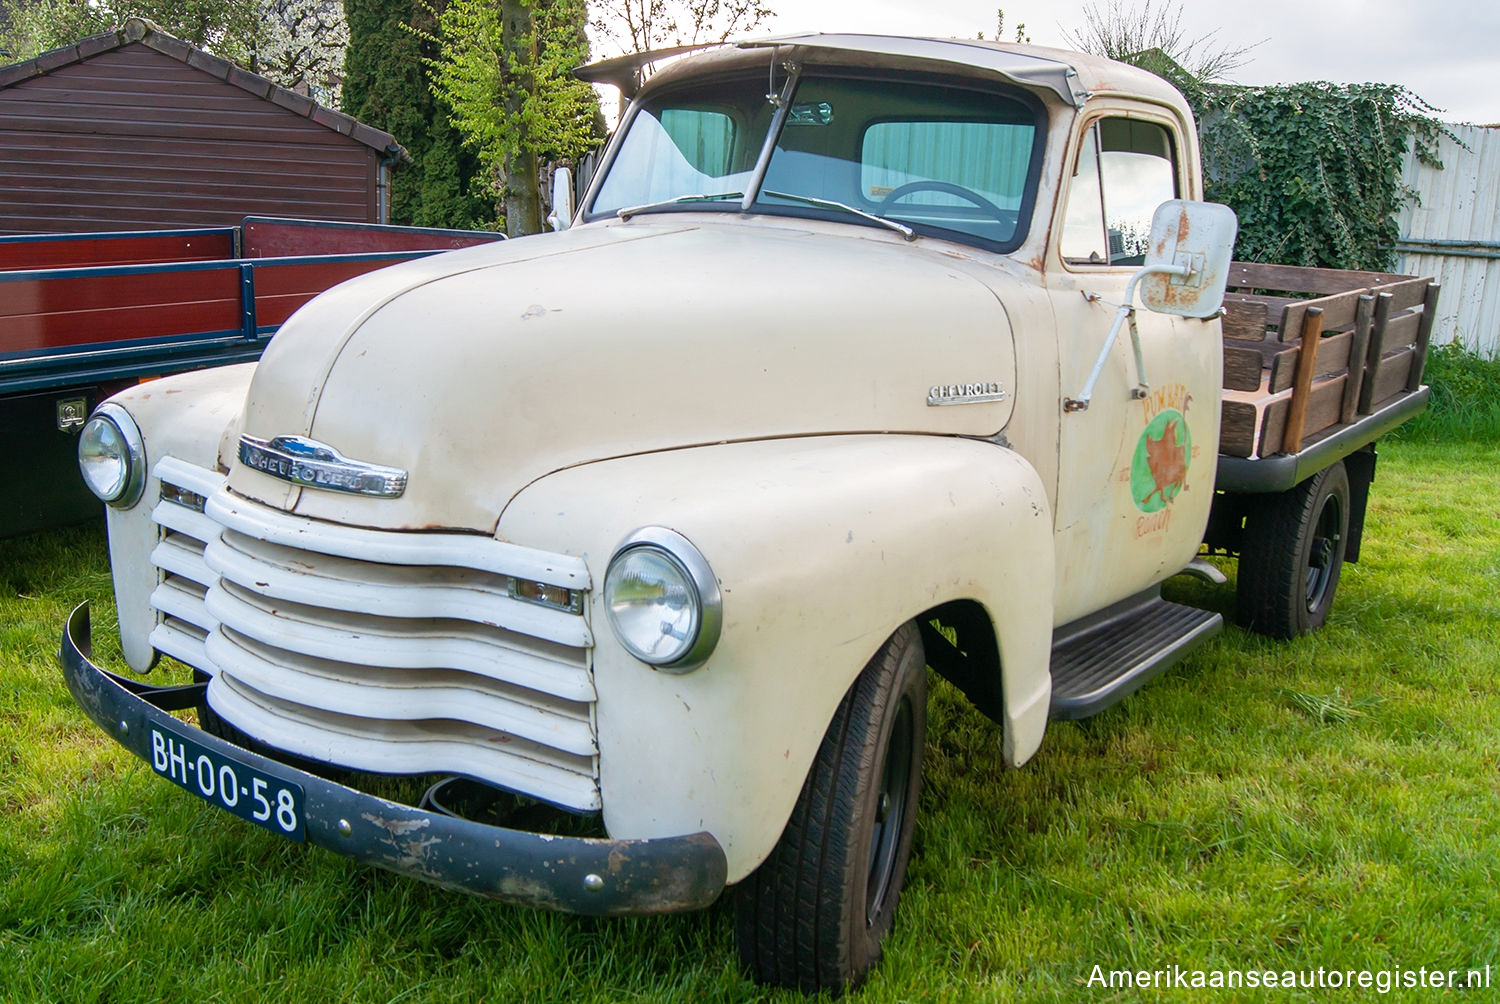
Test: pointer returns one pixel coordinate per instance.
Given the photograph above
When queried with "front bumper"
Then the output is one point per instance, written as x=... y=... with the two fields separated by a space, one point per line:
x=572 y=874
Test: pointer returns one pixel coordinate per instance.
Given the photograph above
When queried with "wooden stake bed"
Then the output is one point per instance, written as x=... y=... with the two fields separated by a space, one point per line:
x=1309 y=352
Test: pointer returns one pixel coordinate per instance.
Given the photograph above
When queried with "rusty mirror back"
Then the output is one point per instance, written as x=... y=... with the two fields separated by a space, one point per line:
x=1195 y=240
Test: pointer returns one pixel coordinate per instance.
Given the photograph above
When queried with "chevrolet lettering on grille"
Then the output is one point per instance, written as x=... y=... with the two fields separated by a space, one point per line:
x=317 y=465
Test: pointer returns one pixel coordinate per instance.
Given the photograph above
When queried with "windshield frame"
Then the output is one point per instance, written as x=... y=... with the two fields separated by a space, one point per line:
x=752 y=203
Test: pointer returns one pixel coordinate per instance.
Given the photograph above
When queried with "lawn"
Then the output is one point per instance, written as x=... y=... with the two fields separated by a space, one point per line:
x=1333 y=802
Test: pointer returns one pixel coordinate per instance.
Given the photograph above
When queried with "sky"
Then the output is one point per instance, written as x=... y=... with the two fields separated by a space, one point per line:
x=1445 y=51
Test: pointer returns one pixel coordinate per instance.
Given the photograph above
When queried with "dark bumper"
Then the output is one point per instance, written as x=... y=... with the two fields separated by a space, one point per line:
x=573 y=874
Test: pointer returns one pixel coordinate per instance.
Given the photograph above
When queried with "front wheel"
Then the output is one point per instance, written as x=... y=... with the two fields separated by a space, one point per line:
x=814 y=914
x=1292 y=555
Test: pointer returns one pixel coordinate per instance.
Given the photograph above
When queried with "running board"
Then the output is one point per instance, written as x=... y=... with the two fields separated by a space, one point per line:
x=1100 y=660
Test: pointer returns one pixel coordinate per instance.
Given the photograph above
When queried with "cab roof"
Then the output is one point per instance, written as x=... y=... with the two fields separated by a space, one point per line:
x=1071 y=76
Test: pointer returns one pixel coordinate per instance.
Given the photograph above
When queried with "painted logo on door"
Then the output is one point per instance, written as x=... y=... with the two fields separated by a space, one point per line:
x=1159 y=468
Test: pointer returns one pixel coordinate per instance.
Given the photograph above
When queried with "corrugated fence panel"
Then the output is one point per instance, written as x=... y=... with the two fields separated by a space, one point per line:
x=1454 y=234
x=133 y=139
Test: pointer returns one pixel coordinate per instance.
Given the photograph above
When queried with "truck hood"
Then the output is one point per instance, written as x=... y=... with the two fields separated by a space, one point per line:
x=478 y=371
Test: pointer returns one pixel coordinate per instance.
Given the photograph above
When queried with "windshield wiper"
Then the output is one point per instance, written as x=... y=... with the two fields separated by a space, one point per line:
x=630 y=211
x=900 y=228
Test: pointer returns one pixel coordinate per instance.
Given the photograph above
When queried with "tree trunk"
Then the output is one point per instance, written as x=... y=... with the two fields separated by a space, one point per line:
x=523 y=210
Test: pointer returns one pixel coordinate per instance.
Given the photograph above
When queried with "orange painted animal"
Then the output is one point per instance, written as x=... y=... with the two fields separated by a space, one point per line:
x=1167 y=459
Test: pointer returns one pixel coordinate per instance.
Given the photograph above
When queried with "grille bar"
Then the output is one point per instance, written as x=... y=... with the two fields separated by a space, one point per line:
x=183 y=598
x=398 y=548
x=182 y=641
x=411 y=644
x=369 y=692
x=179 y=555
x=396 y=747
x=406 y=592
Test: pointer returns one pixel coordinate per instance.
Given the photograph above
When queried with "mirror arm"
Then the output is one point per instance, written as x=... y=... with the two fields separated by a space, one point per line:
x=1126 y=312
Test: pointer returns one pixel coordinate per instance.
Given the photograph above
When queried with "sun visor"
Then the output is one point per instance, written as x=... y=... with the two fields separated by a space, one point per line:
x=1020 y=68
x=1017 y=67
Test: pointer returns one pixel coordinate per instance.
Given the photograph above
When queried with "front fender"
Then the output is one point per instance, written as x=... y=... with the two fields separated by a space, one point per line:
x=822 y=548
x=190 y=416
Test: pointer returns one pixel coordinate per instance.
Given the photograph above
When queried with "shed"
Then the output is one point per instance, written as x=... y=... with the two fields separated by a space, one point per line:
x=138 y=130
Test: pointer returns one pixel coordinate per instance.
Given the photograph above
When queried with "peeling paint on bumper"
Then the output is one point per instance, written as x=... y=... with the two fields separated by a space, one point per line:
x=572 y=874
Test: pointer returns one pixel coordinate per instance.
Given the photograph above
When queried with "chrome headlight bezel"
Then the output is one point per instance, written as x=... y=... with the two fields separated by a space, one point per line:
x=107 y=421
x=678 y=556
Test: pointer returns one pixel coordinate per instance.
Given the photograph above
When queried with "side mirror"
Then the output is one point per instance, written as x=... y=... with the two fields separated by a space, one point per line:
x=561 y=216
x=1185 y=272
x=1197 y=238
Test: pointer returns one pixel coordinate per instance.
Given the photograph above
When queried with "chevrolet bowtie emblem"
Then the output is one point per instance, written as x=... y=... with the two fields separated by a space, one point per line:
x=316 y=465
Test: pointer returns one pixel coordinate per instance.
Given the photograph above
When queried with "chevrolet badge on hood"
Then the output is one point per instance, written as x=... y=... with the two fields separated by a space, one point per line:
x=316 y=465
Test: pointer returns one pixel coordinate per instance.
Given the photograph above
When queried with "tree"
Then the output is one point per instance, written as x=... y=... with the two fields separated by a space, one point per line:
x=1132 y=35
x=297 y=43
x=300 y=44
x=220 y=26
x=387 y=84
x=506 y=71
x=645 y=25
x=1021 y=37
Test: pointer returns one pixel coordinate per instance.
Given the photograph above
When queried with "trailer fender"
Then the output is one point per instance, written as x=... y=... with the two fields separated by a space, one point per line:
x=822 y=547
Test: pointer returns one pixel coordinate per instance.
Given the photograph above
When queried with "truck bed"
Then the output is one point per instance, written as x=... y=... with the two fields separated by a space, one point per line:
x=1317 y=363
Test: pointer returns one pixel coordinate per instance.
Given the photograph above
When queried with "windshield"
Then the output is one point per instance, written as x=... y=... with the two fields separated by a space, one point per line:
x=937 y=158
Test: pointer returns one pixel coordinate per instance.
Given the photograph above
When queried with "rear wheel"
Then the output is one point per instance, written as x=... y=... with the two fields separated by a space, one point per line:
x=814 y=914
x=1292 y=555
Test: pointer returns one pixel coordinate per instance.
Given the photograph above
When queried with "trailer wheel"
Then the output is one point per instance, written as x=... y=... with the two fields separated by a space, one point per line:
x=814 y=914
x=1292 y=555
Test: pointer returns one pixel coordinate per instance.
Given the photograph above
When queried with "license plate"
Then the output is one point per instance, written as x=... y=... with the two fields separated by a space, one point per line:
x=251 y=794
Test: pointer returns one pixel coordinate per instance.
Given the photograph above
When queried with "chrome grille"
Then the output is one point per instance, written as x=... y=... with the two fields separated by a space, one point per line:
x=378 y=650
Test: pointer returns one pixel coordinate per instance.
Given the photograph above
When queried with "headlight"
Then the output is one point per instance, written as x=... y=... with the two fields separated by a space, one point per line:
x=662 y=600
x=112 y=456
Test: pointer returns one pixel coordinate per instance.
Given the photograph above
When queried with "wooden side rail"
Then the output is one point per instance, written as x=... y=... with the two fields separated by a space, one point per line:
x=1308 y=350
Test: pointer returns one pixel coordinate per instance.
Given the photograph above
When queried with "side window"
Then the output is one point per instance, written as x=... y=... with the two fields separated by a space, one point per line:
x=1083 y=223
x=1126 y=168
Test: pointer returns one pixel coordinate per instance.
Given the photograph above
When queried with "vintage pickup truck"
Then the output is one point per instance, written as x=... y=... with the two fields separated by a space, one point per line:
x=87 y=314
x=660 y=520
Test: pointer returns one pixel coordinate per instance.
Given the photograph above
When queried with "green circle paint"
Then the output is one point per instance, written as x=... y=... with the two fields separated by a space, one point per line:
x=1159 y=468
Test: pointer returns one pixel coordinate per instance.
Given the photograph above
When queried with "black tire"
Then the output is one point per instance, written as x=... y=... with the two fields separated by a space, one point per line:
x=1292 y=555
x=814 y=914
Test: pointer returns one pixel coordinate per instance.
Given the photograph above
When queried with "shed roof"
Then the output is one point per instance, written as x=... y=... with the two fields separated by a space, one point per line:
x=139 y=31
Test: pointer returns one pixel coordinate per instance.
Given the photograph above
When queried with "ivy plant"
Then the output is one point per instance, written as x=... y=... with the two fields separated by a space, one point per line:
x=1314 y=170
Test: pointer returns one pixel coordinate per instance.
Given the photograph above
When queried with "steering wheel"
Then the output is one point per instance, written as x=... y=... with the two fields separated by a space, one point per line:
x=947 y=188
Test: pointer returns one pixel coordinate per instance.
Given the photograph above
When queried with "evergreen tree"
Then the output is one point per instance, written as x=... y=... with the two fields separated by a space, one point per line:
x=386 y=85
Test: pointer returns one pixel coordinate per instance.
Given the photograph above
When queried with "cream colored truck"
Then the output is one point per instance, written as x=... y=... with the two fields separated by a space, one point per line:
x=660 y=519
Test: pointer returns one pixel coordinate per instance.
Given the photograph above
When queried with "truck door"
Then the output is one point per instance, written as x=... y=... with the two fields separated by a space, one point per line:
x=1136 y=471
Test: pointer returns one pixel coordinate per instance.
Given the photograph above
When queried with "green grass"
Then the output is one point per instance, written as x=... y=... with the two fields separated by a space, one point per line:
x=1465 y=403
x=1333 y=802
